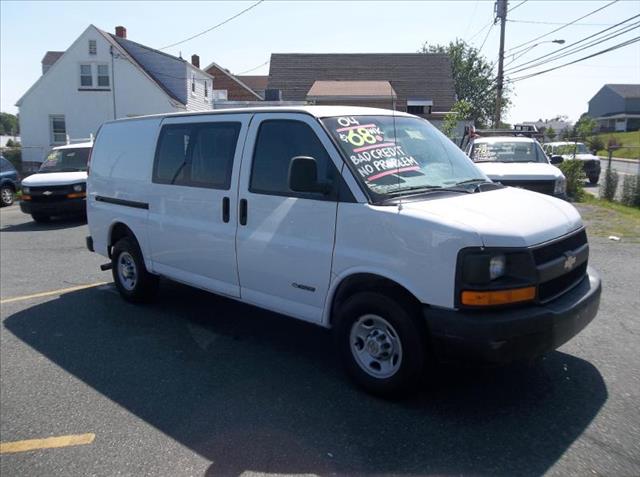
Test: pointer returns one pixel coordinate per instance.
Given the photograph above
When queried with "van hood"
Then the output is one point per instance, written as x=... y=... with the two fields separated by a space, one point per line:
x=507 y=217
x=519 y=171
x=55 y=178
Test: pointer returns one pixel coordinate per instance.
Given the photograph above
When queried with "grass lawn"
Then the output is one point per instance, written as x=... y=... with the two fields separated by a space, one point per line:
x=603 y=218
x=627 y=139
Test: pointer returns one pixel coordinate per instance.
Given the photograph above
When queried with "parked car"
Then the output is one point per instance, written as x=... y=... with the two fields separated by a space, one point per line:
x=576 y=151
x=9 y=182
x=367 y=221
x=59 y=187
x=517 y=162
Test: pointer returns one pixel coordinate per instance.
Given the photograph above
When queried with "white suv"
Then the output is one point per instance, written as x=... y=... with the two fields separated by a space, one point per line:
x=367 y=221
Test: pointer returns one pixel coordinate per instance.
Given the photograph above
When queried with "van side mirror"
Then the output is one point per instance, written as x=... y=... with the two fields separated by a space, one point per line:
x=303 y=176
x=556 y=159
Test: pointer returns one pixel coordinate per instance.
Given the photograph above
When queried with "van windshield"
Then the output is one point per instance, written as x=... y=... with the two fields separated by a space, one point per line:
x=507 y=151
x=571 y=149
x=401 y=155
x=66 y=160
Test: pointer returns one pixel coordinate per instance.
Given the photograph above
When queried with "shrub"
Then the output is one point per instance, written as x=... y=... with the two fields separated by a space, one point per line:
x=595 y=144
x=610 y=185
x=631 y=191
x=575 y=176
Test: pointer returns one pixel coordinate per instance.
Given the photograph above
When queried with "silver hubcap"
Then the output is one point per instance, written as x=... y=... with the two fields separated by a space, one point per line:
x=7 y=195
x=375 y=346
x=127 y=271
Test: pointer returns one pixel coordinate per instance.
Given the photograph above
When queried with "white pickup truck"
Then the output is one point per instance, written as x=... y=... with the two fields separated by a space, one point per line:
x=518 y=162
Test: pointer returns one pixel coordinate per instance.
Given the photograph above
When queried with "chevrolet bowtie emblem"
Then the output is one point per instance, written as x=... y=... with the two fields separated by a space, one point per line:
x=47 y=192
x=570 y=261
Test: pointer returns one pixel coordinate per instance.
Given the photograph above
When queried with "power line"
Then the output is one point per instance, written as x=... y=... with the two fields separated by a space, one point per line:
x=536 y=22
x=518 y=5
x=485 y=38
x=555 y=55
x=491 y=22
x=252 y=69
x=601 y=52
x=214 y=27
x=563 y=26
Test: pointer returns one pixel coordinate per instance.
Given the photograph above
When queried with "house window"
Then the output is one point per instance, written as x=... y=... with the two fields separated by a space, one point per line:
x=415 y=109
x=103 y=76
x=219 y=94
x=86 y=78
x=419 y=106
x=193 y=84
x=58 y=129
x=93 y=49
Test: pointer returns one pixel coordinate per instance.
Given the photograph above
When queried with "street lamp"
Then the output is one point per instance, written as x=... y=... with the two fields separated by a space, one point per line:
x=519 y=55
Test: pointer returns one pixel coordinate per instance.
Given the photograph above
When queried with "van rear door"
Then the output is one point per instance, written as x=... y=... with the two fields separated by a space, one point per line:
x=191 y=227
x=285 y=239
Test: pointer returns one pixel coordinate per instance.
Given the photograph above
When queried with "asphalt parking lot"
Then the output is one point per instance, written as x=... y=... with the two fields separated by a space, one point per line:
x=199 y=385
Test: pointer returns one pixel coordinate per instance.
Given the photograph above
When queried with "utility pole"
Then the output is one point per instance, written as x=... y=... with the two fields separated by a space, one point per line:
x=501 y=14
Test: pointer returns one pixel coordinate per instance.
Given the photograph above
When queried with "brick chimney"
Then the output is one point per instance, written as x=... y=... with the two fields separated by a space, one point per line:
x=121 y=32
x=195 y=61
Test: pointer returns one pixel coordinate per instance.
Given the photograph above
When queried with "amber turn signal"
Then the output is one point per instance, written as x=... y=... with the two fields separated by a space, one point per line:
x=26 y=197
x=76 y=195
x=498 y=297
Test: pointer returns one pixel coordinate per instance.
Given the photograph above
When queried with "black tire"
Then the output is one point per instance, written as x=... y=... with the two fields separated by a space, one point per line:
x=40 y=218
x=145 y=284
x=408 y=331
x=7 y=196
x=593 y=179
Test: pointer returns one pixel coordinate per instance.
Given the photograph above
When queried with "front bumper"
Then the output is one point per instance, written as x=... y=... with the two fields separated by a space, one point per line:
x=55 y=207
x=502 y=336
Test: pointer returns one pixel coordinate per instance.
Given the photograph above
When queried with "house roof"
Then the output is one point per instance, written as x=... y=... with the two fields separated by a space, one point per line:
x=237 y=79
x=415 y=75
x=351 y=89
x=256 y=83
x=627 y=91
x=166 y=70
x=50 y=57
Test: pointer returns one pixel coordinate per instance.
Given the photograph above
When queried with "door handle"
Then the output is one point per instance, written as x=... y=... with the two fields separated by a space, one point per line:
x=225 y=209
x=243 y=211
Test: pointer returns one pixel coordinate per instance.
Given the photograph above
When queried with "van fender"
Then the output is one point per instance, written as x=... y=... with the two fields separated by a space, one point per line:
x=139 y=234
x=337 y=280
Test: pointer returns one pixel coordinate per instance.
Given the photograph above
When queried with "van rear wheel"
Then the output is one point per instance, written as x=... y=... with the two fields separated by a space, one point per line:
x=381 y=344
x=133 y=281
x=7 y=196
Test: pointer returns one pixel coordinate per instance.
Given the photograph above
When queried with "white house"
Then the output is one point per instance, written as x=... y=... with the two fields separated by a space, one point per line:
x=100 y=77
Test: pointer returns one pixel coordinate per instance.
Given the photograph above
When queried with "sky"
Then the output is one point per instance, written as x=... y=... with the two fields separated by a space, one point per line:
x=29 y=29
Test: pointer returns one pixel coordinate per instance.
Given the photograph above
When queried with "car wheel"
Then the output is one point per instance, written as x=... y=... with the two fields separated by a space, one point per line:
x=130 y=275
x=7 y=196
x=41 y=219
x=594 y=179
x=381 y=344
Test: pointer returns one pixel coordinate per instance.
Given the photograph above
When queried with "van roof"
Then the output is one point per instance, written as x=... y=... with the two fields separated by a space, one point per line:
x=76 y=145
x=316 y=111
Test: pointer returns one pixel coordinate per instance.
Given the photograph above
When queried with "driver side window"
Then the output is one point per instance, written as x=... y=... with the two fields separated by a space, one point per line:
x=277 y=142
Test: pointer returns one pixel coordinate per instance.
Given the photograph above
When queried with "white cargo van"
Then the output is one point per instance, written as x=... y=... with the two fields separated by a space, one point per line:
x=362 y=220
x=59 y=186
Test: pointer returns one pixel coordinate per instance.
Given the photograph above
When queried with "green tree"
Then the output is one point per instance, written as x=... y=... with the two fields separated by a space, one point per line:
x=565 y=134
x=473 y=78
x=9 y=124
x=585 y=127
x=459 y=112
x=550 y=133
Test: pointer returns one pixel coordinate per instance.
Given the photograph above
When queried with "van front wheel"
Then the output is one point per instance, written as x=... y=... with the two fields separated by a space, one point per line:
x=130 y=275
x=381 y=344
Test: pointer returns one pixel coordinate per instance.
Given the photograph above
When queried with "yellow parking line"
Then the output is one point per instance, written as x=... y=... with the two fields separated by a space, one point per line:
x=60 y=291
x=48 y=443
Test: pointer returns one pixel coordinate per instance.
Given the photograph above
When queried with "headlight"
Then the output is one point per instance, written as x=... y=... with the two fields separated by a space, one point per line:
x=497 y=266
x=560 y=186
x=26 y=190
x=78 y=187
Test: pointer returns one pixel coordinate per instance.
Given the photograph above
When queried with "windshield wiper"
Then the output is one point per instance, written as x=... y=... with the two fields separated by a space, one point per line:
x=428 y=188
x=471 y=181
